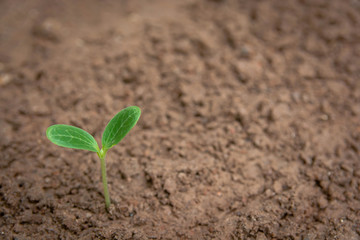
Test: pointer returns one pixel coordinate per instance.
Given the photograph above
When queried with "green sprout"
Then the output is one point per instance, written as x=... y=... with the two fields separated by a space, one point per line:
x=73 y=137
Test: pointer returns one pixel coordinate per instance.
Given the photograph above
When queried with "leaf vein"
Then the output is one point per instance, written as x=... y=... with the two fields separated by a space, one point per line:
x=80 y=139
x=122 y=124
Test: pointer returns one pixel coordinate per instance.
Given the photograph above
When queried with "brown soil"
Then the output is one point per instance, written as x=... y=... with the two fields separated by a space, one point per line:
x=250 y=126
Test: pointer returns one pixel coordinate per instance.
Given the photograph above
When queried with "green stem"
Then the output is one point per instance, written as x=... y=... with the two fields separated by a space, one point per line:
x=102 y=155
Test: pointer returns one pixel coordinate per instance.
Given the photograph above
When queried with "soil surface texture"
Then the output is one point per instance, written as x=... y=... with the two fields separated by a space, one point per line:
x=250 y=125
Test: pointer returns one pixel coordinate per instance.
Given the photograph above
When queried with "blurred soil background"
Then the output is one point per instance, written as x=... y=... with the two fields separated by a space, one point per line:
x=250 y=125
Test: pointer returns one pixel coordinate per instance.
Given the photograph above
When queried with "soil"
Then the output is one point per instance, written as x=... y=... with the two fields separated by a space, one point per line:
x=250 y=125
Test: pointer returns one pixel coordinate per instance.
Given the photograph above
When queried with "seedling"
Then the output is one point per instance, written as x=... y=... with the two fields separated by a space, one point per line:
x=73 y=137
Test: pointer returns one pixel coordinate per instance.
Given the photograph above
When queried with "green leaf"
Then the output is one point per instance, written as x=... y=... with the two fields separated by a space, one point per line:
x=119 y=126
x=71 y=137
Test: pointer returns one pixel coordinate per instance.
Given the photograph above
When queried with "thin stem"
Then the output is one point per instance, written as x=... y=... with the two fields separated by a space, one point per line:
x=104 y=178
